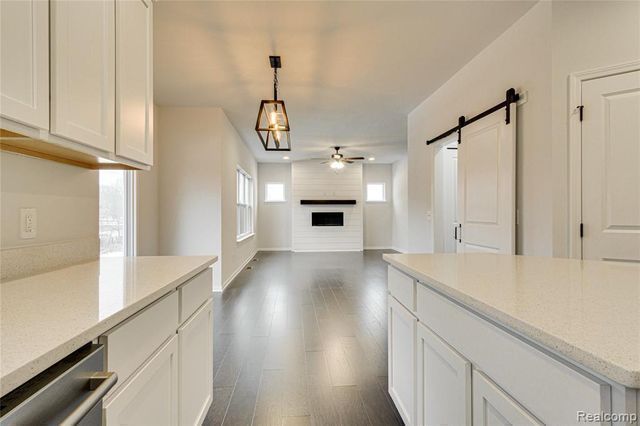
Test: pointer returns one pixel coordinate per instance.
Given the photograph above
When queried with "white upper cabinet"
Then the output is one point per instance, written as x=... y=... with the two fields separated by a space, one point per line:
x=24 y=62
x=83 y=72
x=134 y=80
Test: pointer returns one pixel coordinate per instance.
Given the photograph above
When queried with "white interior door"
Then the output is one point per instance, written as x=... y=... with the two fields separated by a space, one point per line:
x=487 y=185
x=445 y=196
x=611 y=168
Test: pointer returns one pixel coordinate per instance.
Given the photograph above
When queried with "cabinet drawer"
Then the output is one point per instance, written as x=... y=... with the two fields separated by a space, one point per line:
x=129 y=344
x=549 y=388
x=194 y=293
x=402 y=287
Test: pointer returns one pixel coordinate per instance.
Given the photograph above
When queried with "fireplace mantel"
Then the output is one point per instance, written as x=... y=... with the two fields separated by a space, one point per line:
x=327 y=202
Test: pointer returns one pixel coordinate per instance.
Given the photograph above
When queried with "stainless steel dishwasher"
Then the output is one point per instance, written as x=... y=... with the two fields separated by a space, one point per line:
x=68 y=393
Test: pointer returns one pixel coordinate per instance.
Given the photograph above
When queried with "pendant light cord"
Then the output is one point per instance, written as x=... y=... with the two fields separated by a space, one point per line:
x=275 y=84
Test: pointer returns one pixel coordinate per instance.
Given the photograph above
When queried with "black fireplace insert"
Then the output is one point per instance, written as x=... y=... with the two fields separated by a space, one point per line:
x=327 y=219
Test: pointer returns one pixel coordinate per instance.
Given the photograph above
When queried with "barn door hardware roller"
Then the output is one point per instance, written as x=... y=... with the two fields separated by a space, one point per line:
x=510 y=97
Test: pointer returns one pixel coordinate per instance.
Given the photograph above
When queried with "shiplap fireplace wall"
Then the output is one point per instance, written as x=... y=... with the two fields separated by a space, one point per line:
x=314 y=181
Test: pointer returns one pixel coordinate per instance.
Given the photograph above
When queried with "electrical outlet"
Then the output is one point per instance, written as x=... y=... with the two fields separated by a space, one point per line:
x=28 y=223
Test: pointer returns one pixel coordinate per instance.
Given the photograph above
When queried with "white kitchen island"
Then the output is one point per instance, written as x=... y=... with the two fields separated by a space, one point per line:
x=152 y=314
x=498 y=339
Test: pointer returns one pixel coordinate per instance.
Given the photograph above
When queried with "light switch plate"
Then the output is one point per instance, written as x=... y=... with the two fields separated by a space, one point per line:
x=28 y=223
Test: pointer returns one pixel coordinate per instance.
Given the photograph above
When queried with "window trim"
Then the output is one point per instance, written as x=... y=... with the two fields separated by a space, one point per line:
x=284 y=192
x=384 y=192
x=250 y=205
x=129 y=227
x=130 y=213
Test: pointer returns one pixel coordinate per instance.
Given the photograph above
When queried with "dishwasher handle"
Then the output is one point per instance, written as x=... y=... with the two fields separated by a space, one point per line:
x=100 y=383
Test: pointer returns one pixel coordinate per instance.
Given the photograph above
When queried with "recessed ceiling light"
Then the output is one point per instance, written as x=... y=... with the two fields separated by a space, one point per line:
x=285 y=157
x=372 y=158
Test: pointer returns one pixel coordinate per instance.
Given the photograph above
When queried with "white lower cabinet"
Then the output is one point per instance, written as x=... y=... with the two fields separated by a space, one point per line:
x=493 y=407
x=150 y=396
x=450 y=366
x=164 y=364
x=195 y=341
x=443 y=382
x=402 y=329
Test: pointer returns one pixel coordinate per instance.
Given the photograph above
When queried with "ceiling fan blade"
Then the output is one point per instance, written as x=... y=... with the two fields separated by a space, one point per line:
x=325 y=162
x=348 y=161
x=354 y=158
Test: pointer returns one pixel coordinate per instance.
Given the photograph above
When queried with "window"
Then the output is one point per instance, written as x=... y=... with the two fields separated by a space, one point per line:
x=244 y=205
x=376 y=193
x=117 y=213
x=274 y=193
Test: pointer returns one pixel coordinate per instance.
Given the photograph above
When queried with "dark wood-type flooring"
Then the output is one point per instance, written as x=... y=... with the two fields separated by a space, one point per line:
x=301 y=339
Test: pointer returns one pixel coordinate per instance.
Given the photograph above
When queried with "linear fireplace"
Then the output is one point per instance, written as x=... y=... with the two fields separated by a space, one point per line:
x=327 y=219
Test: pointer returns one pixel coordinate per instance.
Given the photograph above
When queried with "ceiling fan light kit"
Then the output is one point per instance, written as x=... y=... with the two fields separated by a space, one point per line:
x=337 y=161
x=272 y=124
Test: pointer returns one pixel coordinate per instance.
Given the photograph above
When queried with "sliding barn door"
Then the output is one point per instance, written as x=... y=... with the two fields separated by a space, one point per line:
x=611 y=168
x=487 y=185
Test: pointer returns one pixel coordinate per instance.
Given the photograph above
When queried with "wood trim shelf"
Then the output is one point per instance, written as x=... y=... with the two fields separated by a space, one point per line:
x=327 y=202
x=30 y=147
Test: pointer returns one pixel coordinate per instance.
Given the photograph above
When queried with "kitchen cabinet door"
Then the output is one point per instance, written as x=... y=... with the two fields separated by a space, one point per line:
x=83 y=72
x=195 y=341
x=150 y=396
x=134 y=80
x=402 y=327
x=24 y=62
x=493 y=407
x=443 y=386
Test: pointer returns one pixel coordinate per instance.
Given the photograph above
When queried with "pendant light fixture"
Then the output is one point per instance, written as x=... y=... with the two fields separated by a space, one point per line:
x=272 y=124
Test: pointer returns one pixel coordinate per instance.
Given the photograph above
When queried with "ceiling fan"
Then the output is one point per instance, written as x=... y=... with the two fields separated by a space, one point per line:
x=338 y=161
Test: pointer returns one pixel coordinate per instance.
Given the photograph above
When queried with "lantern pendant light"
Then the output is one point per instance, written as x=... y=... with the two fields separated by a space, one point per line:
x=272 y=124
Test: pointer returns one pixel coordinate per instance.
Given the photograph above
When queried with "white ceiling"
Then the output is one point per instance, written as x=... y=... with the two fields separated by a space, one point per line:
x=352 y=71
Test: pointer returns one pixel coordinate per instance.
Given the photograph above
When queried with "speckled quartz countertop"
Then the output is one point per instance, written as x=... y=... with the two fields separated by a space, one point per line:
x=586 y=311
x=45 y=317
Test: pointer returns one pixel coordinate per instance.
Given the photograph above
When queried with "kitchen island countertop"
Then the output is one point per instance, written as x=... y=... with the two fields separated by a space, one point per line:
x=586 y=311
x=45 y=317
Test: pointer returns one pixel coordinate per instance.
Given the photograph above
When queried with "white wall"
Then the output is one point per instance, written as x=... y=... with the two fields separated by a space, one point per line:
x=312 y=180
x=378 y=217
x=199 y=151
x=189 y=183
x=274 y=219
x=536 y=55
x=234 y=153
x=66 y=199
x=400 y=221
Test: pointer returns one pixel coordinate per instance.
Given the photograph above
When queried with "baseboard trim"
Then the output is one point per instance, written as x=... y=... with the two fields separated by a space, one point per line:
x=378 y=248
x=274 y=249
x=326 y=251
x=399 y=250
x=237 y=271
